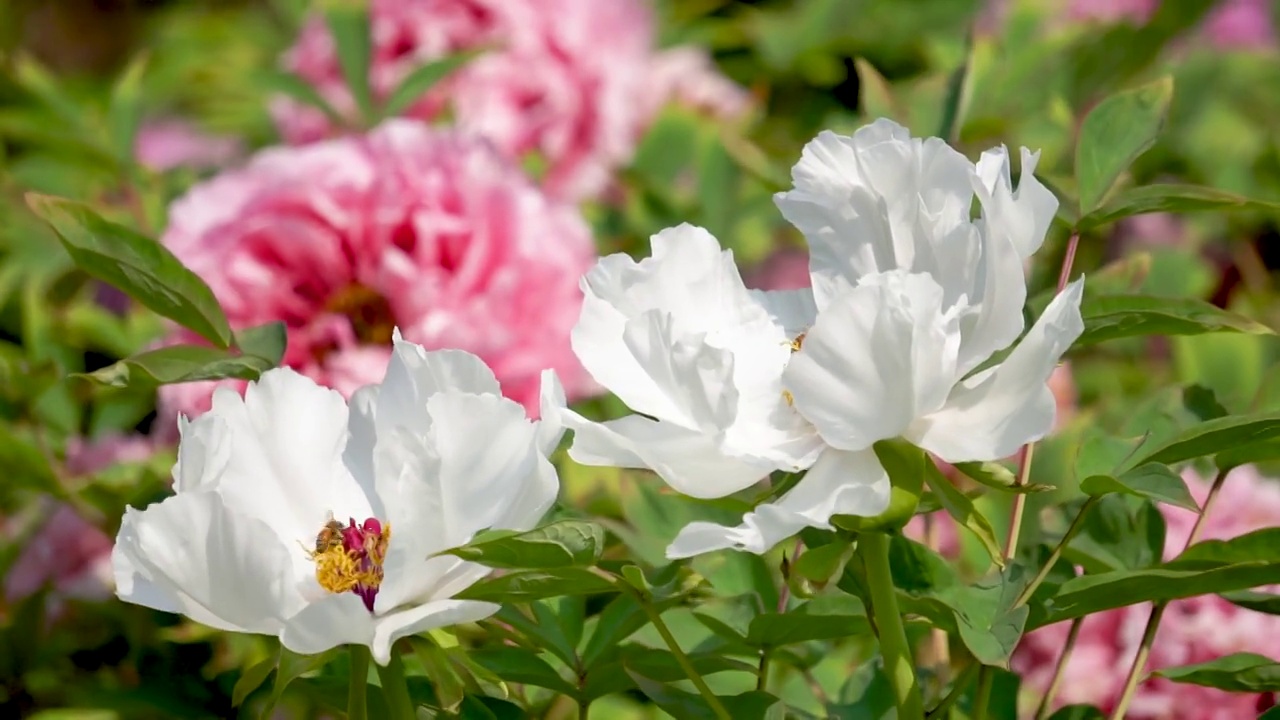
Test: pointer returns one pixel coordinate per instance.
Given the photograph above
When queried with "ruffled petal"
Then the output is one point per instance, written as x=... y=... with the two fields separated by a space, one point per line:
x=440 y=613
x=689 y=461
x=191 y=554
x=992 y=414
x=331 y=621
x=839 y=483
x=878 y=356
x=1023 y=215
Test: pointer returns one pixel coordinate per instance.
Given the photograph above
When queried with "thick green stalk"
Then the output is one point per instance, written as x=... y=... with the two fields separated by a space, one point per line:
x=358 y=683
x=898 y=662
x=395 y=690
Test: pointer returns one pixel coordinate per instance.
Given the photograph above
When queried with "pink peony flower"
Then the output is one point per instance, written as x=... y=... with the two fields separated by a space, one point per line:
x=408 y=227
x=688 y=76
x=167 y=144
x=1192 y=630
x=561 y=81
x=1242 y=24
x=1238 y=24
x=67 y=552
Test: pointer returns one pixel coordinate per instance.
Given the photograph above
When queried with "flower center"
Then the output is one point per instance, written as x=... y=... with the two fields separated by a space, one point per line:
x=349 y=557
x=369 y=312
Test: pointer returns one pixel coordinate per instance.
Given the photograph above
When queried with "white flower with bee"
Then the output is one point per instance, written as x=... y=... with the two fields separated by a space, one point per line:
x=297 y=516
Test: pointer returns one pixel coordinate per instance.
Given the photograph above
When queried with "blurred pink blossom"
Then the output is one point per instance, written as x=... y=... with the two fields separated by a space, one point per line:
x=785 y=269
x=67 y=552
x=407 y=226
x=167 y=144
x=572 y=82
x=1239 y=24
x=1244 y=24
x=1192 y=630
x=688 y=76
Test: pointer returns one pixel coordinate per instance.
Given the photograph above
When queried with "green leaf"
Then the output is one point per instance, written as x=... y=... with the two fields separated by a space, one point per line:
x=448 y=686
x=1153 y=481
x=25 y=465
x=1263 y=602
x=617 y=675
x=1114 y=134
x=989 y=625
x=959 y=94
x=754 y=705
x=566 y=543
x=827 y=617
x=905 y=465
x=293 y=666
x=1237 y=672
x=621 y=618
x=252 y=679
x=1203 y=402
x=302 y=91
x=348 y=22
x=125 y=113
x=522 y=666
x=527 y=585
x=820 y=564
x=1233 y=433
x=1111 y=317
x=189 y=363
x=1118 y=534
x=961 y=509
x=422 y=79
x=138 y=265
x=1210 y=567
x=997 y=476
x=1162 y=198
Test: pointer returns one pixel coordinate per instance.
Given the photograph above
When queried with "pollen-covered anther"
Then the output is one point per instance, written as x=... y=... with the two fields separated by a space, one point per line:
x=349 y=557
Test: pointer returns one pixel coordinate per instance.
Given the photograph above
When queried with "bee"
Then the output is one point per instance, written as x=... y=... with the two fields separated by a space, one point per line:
x=330 y=536
x=797 y=343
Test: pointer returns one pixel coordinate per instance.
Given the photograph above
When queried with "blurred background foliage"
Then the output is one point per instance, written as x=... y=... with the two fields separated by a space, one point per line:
x=72 y=71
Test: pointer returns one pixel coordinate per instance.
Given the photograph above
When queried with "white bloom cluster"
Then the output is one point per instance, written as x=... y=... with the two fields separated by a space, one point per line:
x=910 y=296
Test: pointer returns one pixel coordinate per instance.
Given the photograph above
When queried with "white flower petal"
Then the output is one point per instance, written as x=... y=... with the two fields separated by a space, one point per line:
x=331 y=621
x=1023 y=215
x=190 y=554
x=992 y=414
x=440 y=613
x=480 y=467
x=793 y=310
x=879 y=355
x=689 y=286
x=689 y=461
x=286 y=438
x=551 y=403
x=876 y=201
x=839 y=483
x=999 y=290
x=413 y=375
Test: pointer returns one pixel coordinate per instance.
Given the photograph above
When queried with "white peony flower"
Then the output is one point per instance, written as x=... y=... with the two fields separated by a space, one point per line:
x=294 y=515
x=910 y=295
x=685 y=344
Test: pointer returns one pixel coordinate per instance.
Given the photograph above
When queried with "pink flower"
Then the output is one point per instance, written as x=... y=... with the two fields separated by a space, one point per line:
x=1243 y=24
x=1192 y=630
x=785 y=269
x=1137 y=12
x=1239 y=24
x=561 y=82
x=686 y=75
x=166 y=144
x=407 y=226
x=67 y=552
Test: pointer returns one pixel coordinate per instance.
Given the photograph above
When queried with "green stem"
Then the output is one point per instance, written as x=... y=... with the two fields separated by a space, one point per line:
x=982 y=698
x=1074 y=528
x=1157 y=612
x=898 y=664
x=584 y=709
x=683 y=660
x=358 y=683
x=1019 y=502
x=762 y=673
x=1046 y=702
x=394 y=688
x=957 y=689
